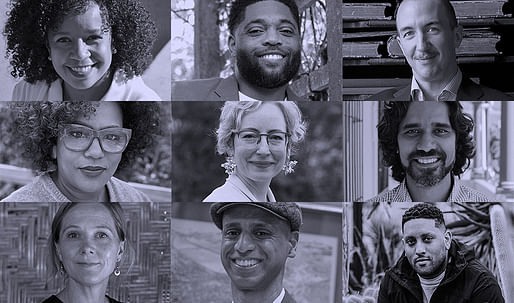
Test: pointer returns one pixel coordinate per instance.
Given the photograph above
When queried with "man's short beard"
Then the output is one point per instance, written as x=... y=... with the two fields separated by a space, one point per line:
x=250 y=69
x=429 y=177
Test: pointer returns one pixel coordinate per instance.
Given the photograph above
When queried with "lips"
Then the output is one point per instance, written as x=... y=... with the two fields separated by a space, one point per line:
x=246 y=263
x=92 y=171
x=262 y=164
x=427 y=160
x=417 y=260
x=81 y=70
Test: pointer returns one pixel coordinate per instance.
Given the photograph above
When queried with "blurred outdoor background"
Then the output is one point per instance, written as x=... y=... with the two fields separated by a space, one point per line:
x=200 y=46
x=196 y=165
x=491 y=171
x=313 y=276
x=372 y=242
x=150 y=172
x=157 y=76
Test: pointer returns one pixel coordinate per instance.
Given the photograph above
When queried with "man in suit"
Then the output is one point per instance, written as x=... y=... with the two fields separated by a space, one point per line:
x=265 y=43
x=257 y=239
x=428 y=35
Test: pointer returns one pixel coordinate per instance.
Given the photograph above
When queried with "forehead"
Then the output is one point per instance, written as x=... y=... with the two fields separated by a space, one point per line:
x=269 y=12
x=249 y=214
x=419 y=13
x=89 y=20
x=266 y=117
x=416 y=227
x=107 y=114
x=426 y=114
x=86 y=215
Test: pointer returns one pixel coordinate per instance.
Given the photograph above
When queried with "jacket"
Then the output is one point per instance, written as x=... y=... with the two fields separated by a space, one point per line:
x=288 y=298
x=213 y=89
x=466 y=281
x=468 y=91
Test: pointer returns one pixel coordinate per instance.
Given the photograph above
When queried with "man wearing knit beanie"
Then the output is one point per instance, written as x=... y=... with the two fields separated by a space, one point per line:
x=257 y=239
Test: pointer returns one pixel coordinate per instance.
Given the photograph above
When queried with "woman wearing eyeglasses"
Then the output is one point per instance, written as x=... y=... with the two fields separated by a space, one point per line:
x=78 y=146
x=257 y=139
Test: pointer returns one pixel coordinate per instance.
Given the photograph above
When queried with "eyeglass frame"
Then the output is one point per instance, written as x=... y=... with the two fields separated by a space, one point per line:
x=96 y=133
x=264 y=134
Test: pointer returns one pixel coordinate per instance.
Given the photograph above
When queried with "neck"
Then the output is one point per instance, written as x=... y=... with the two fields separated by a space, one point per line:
x=77 y=293
x=77 y=196
x=432 y=88
x=437 y=193
x=260 y=93
x=94 y=93
x=267 y=295
x=258 y=189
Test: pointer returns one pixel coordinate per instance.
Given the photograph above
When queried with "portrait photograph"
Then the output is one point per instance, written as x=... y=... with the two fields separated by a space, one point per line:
x=56 y=50
x=66 y=252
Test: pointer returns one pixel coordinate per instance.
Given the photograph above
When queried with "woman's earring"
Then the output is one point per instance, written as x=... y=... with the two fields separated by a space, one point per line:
x=49 y=58
x=289 y=166
x=117 y=271
x=62 y=270
x=114 y=50
x=229 y=165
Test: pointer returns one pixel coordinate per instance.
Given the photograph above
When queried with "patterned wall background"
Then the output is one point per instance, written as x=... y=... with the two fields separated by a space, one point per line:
x=25 y=227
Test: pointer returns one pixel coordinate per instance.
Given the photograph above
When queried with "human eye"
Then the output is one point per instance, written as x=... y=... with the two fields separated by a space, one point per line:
x=408 y=34
x=261 y=233
x=441 y=131
x=255 y=30
x=72 y=235
x=76 y=133
x=63 y=40
x=101 y=235
x=288 y=31
x=412 y=132
x=427 y=238
x=231 y=233
x=410 y=242
x=433 y=29
x=112 y=137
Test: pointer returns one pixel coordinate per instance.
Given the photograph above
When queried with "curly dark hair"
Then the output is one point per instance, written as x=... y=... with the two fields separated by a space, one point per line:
x=132 y=29
x=423 y=211
x=36 y=126
x=394 y=113
x=238 y=8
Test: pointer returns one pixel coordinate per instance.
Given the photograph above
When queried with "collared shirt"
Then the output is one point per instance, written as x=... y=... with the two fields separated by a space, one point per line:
x=243 y=97
x=459 y=193
x=234 y=190
x=279 y=298
x=449 y=92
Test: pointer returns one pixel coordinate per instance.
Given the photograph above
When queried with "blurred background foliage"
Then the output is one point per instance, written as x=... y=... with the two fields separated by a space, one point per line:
x=313 y=35
x=196 y=166
x=153 y=167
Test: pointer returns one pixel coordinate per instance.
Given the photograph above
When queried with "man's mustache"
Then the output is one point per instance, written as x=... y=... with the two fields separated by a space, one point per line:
x=431 y=153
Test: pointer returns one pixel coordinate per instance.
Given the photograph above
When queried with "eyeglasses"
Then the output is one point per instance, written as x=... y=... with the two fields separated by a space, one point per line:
x=251 y=137
x=79 y=138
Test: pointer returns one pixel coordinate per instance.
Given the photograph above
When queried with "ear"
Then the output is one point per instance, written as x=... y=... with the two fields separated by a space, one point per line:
x=232 y=45
x=121 y=251
x=458 y=32
x=293 y=241
x=54 y=152
x=447 y=239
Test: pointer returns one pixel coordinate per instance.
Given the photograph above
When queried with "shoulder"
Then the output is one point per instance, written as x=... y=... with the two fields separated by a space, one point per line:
x=41 y=189
x=471 y=91
x=226 y=193
x=52 y=299
x=133 y=89
x=121 y=191
x=391 y=195
x=468 y=194
x=392 y=94
x=193 y=90
x=24 y=91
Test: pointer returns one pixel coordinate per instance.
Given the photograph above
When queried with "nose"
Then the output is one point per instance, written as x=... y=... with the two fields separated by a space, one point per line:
x=80 y=50
x=420 y=248
x=426 y=142
x=272 y=37
x=94 y=150
x=262 y=145
x=87 y=248
x=422 y=43
x=244 y=243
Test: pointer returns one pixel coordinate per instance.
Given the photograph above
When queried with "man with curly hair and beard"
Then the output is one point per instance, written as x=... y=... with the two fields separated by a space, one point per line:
x=434 y=267
x=265 y=43
x=428 y=145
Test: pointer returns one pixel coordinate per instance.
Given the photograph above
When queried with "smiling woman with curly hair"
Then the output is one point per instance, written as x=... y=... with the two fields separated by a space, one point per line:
x=80 y=49
x=78 y=146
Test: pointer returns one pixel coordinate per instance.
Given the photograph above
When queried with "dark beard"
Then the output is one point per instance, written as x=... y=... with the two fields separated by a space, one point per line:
x=250 y=69
x=429 y=176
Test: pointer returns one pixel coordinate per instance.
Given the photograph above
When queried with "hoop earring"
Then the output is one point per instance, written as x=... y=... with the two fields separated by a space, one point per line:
x=117 y=271
x=289 y=167
x=229 y=165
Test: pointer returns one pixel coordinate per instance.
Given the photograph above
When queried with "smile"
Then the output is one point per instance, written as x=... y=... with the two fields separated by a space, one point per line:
x=272 y=57
x=422 y=260
x=262 y=163
x=427 y=160
x=246 y=263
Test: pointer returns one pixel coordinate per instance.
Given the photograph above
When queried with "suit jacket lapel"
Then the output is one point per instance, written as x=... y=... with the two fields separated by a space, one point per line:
x=403 y=94
x=469 y=90
x=227 y=90
x=288 y=298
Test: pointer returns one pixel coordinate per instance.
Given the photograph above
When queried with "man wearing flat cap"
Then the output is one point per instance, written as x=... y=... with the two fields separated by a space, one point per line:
x=257 y=239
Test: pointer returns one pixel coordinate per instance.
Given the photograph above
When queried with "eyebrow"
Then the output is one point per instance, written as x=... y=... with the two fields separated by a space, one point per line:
x=434 y=124
x=87 y=125
x=88 y=31
x=78 y=227
x=262 y=21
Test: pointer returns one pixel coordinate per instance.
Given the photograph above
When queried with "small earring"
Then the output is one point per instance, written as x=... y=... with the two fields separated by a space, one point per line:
x=114 y=50
x=289 y=166
x=62 y=270
x=229 y=165
x=49 y=58
x=117 y=271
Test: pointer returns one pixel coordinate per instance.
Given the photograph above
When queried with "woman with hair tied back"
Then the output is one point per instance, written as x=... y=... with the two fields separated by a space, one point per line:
x=88 y=244
x=258 y=139
x=92 y=50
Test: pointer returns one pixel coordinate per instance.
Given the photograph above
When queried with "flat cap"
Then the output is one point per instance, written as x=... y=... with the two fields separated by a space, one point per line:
x=288 y=211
